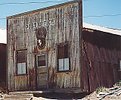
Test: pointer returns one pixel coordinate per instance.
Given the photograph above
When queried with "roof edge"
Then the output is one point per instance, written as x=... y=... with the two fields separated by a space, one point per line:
x=103 y=29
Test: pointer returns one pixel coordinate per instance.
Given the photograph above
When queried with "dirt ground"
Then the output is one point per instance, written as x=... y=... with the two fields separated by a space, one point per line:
x=42 y=96
x=100 y=93
x=93 y=96
x=59 y=96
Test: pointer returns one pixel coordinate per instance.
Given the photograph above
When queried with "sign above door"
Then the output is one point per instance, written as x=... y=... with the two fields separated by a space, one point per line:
x=41 y=37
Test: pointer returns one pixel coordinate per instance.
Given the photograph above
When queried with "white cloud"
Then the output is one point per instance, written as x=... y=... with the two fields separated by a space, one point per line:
x=3 y=36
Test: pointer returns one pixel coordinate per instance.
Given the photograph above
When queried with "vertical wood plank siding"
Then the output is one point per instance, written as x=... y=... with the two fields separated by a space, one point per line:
x=61 y=23
x=101 y=54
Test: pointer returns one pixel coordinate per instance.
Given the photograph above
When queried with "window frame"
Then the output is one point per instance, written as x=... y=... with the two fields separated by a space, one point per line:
x=64 y=45
x=37 y=60
x=21 y=62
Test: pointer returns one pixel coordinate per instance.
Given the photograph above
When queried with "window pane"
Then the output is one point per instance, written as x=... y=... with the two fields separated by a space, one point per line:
x=41 y=60
x=21 y=68
x=120 y=64
x=42 y=57
x=66 y=64
x=21 y=56
x=60 y=64
x=41 y=63
x=60 y=52
x=63 y=51
x=66 y=51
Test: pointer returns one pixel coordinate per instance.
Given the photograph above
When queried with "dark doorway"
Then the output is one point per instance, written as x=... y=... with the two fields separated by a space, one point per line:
x=2 y=65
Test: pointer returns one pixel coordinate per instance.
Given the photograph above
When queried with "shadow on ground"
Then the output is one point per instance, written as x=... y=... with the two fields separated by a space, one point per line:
x=61 y=95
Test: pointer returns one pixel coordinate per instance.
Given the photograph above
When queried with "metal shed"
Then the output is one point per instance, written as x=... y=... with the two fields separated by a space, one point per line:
x=101 y=53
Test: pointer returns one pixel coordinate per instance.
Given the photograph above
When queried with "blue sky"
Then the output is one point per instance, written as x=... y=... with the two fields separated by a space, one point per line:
x=105 y=13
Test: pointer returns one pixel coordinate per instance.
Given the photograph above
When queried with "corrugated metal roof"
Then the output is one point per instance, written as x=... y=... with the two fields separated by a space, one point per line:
x=103 y=29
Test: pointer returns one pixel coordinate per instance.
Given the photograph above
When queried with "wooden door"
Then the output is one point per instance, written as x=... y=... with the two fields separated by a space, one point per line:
x=42 y=74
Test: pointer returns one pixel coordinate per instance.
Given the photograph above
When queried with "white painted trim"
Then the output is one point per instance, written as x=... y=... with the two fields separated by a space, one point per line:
x=103 y=29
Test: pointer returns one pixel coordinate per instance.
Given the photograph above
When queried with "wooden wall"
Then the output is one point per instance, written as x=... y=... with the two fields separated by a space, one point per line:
x=62 y=25
x=3 y=54
x=101 y=54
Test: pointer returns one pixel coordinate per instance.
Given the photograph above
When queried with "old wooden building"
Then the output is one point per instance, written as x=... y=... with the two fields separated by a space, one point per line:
x=48 y=49
x=101 y=57
x=43 y=48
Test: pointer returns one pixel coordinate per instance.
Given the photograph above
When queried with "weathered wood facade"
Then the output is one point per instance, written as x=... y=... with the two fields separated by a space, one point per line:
x=38 y=41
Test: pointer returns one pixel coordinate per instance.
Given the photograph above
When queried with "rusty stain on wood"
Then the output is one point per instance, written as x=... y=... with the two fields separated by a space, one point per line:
x=32 y=79
x=21 y=82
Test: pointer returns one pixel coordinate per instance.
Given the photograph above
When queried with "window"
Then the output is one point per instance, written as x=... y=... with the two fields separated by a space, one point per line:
x=21 y=62
x=21 y=68
x=41 y=60
x=120 y=65
x=63 y=58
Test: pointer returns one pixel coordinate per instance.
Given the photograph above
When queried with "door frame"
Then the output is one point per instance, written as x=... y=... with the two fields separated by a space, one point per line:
x=36 y=68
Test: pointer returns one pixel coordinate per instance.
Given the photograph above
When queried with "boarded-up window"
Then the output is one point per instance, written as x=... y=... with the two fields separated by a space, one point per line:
x=21 y=62
x=63 y=58
x=41 y=60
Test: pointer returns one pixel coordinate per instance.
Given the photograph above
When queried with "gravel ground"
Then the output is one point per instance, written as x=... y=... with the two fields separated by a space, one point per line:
x=102 y=93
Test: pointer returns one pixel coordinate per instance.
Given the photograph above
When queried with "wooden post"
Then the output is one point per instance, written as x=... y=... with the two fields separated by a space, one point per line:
x=80 y=38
